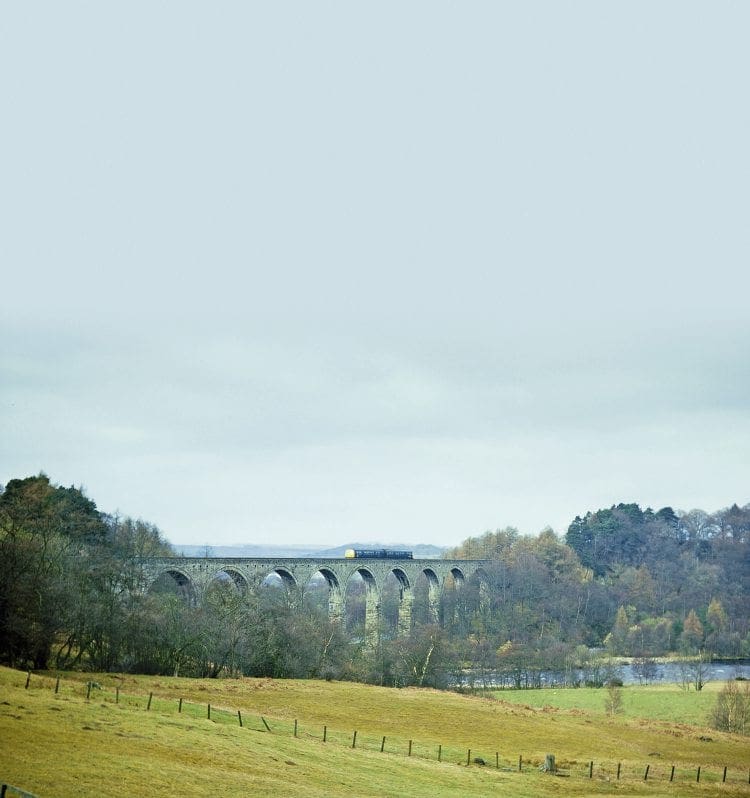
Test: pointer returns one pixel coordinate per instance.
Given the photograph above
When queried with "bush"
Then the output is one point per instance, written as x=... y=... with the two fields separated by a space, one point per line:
x=613 y=699
x=732 y=709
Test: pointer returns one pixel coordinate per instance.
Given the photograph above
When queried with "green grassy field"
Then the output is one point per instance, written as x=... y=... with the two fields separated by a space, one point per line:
x=65 y=745
x=667 y=702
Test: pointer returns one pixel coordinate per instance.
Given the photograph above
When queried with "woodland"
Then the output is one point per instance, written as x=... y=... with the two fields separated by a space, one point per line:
x=622 y=582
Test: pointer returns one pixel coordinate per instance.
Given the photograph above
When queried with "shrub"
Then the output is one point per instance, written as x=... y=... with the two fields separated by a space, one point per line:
x=732 y=709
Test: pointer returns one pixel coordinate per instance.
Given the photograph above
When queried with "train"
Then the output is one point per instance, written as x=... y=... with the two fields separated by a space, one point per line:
x=379 y=554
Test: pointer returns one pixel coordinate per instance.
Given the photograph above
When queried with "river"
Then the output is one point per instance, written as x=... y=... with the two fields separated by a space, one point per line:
x=667 y=672
x=628 y=673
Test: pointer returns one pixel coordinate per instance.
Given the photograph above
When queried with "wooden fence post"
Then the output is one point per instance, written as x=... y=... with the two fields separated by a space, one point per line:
x=671 y=775
x=497 y=760
x=117 y=694
x=591 y=769
x=354 y=739
x=382 y=745
x=268 y=728
x=468 y=757
x=295 y=727
x=150 y=696
x=440 y=752
x=645 y=775
x=325 y=732
x=209 y=711
x=28 y=679
x=179 y=708
x=724 y=777
x=619 y=765
x=698 y=777
x=239 y=717
x=57 y=685
x=409 y=754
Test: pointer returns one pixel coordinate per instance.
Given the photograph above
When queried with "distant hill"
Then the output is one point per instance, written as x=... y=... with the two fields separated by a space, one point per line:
x=421 y=550
x=248 y=550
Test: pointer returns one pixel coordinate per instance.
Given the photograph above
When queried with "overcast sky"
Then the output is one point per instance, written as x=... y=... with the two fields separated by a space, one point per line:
x=314 y=272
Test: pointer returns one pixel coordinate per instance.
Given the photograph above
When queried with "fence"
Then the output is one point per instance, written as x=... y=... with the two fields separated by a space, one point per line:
x=398 y=746
x=9 y=790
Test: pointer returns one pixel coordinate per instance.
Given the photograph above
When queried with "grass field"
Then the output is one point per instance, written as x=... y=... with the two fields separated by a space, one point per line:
x=667 y=702
x=65 y=745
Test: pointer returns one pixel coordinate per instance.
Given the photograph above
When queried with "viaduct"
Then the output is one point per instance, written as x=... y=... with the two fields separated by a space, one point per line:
x=194 y=574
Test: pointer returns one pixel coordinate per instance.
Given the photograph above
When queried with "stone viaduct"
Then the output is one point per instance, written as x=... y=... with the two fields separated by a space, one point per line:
x=194 y=574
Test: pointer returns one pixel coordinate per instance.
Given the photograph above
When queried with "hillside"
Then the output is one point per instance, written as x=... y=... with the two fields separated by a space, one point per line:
x=63 y=745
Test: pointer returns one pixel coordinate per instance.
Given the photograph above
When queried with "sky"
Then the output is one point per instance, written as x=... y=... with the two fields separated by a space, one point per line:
x=400 y=272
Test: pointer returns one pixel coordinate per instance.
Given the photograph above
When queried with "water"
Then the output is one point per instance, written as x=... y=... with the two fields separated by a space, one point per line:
x=668 y=672
x=659 y=673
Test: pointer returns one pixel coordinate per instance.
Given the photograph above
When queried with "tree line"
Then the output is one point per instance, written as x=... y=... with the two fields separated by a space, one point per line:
x=633 y=582
x=73 y=595
x=629 y=581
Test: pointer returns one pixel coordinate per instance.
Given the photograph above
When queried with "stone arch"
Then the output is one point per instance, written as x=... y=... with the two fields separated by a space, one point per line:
x=285 y=575
x=288 y=582
x=481 y=576
x=181 y=584
x=230 y=575
x=454 y=584
x=433 y=594
x=406 y=600
x=481 y=582
x=459 y=578
x=335 y=603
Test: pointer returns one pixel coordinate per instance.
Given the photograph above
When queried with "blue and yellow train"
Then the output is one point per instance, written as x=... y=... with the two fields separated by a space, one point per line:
x=379 y=554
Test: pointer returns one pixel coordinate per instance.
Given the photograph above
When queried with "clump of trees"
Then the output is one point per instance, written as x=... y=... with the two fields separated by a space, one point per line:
x=681 y=581
x=635 y=582
x=69 y=591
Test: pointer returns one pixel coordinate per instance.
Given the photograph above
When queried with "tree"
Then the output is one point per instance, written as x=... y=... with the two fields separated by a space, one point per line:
x=694 y=671
x=421 y=658
x=613 y=699
x=46 y=537
x=645 y=669
x=490 y=546
x=691 y=638
x=718 y=639
x=617 y=640
x=716 y=616
x=731 y=711
x=605 y=538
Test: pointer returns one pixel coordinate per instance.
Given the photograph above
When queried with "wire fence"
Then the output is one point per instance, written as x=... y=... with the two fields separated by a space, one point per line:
x=9 y=790
x=389 y=744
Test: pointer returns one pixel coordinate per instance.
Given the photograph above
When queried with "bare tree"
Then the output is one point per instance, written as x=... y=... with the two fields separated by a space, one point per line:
x=732 y=709
x=613 y=699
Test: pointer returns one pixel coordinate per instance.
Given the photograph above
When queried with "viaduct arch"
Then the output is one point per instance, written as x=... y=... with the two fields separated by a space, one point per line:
x=193 y=575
